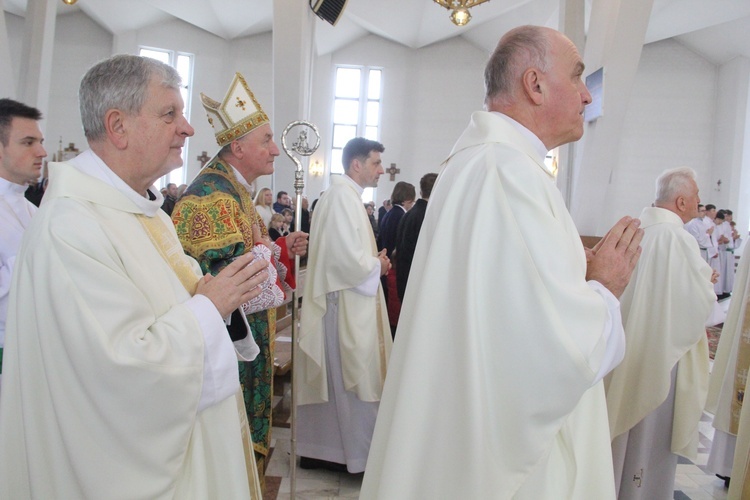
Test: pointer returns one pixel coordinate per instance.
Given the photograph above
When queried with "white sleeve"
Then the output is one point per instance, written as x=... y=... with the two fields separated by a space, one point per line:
x=698 y=232
x=369 y=287
x=711 y=239
x=6 y=273
x=613 y=332
x=220 y=379
x=704 y=239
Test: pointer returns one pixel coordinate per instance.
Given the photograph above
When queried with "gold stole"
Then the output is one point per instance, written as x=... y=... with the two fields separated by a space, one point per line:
x=171 y=250
x=169 y=247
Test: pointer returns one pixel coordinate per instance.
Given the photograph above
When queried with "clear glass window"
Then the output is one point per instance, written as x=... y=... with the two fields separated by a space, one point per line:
x=356 y=112
x=373 y=87
x=346 y=111
x=347 y=82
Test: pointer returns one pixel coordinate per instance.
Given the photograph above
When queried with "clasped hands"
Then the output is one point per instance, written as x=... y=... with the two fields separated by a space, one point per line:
x=714 y=276
x=385 y=262
x=612 y=260
x=236 y=284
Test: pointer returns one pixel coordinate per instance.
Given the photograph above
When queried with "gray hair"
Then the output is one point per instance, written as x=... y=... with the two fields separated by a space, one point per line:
x=672 y=183
x=519 y=49
x=120 y=82
x=225 y=150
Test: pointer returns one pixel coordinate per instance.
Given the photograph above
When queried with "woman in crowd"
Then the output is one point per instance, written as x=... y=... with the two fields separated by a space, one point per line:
x=263 y=205
x=288 y=214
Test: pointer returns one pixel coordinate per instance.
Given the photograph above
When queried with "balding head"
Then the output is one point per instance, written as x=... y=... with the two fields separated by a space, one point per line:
x=518 y=50
x=535 y=77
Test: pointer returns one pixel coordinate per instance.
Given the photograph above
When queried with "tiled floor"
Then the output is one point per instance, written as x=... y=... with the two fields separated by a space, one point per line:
x=691 y=483
x=311 y=484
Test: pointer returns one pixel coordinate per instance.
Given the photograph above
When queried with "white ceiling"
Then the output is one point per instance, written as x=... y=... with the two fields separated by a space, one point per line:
x=717 y=29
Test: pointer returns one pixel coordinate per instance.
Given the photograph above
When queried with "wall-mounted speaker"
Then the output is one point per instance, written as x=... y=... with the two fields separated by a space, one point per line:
x=328 y=10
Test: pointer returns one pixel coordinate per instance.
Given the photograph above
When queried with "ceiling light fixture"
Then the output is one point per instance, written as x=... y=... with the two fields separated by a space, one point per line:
x=69 y=2
x=459 y=9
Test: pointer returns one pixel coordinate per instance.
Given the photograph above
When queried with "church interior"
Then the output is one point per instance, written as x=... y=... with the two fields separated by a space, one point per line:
x=675 y=92
x=677 y=79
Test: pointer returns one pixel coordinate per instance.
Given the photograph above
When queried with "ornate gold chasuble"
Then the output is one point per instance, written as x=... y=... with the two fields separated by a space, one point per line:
x=214 y=220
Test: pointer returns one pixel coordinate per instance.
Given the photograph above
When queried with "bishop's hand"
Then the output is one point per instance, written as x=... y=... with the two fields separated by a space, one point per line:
x=296 y=243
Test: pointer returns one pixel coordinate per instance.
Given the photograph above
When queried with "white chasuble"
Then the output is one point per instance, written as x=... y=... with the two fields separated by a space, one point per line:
x=345 y=340
x=664 y=309
x=492 y=388
x=105 y=362
x=342 y=256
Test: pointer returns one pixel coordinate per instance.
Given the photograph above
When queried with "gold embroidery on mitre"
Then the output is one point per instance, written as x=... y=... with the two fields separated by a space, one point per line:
x=237 y=114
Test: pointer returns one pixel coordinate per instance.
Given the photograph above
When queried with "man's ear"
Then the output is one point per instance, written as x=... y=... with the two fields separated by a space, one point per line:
x=531 y=81
x=236 y=148
x=116 y=128
x=681 y=204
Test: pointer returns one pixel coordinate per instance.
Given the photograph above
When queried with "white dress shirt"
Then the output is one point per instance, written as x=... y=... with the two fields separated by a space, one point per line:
x=15 y=215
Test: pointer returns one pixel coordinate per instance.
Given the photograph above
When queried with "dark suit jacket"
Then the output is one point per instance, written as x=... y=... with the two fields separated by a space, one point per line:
x=406 y=242
x=381 y=213
x=168 y=205
x=388 y=228
x=34 y=193
x=274 y=234
x=305 y=225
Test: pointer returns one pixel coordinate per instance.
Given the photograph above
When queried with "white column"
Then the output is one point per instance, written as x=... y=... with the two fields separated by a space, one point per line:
x=293 y=47
x=36 y=59
x=615 y=40
x=7 y=80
